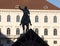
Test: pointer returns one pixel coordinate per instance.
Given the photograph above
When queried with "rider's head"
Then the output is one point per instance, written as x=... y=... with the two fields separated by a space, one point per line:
x=25 y=7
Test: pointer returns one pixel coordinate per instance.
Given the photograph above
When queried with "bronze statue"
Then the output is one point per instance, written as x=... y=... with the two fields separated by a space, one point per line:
x=25 y=21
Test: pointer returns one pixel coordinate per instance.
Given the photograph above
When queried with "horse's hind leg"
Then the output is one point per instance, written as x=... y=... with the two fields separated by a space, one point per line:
x=23 y=28
x=27 y=27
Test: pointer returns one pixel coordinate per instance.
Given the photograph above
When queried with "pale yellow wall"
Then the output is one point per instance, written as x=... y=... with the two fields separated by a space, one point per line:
x=40 y=25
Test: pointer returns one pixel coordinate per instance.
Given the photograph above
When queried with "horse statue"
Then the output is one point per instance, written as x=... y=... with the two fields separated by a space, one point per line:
x=25 y=21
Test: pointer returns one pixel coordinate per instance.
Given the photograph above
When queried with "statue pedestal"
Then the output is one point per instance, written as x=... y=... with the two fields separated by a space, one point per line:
x=30 y=38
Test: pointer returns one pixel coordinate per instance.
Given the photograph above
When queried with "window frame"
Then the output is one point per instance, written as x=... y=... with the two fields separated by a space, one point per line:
x=0 y=18
x=36 y=18
x=8 y=31
x=45 y=31
x=55 y=19
x=8 y=18
x=45 y=19
x=17 y=18
x=36 y=30
x=17 y=31
x=55 y=32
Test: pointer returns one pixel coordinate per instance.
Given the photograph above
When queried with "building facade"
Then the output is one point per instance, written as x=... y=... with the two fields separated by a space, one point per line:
x=46 y=23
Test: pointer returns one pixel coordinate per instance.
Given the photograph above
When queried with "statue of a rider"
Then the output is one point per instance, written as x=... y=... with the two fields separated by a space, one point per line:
x=25 y=21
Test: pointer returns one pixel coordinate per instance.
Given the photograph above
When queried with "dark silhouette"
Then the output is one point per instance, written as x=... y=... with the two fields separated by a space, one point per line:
x=25 y=21
x=30 y=38
x=3 y=39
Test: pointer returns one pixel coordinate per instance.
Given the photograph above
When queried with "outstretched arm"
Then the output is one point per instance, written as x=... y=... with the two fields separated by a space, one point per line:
x=20 y=8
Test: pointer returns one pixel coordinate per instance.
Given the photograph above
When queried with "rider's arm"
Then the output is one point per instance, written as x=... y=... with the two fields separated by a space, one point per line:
x=20 y=8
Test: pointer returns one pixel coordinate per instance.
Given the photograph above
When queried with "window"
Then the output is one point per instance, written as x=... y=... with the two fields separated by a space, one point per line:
x=36 y=18
x=17 y=18
x=55 y=42
x=46 y=41
x=0 y=18
x=17 y=31
x=42 y=37
x=55 y=19
x=36 y=30
x=8 y=31
x=45 y=32
x=0 y=30
x=55 y=32
x=8 y=18
x=45 y=19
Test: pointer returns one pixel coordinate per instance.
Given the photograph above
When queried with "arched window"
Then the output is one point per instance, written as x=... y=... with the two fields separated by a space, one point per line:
x=17 y=18
x=0 y=31
x=8 y=18
x=36 y=18
x=36 y=30
x=0 y=18
x=17 y=31
x=45 y=31
x=45 y=19
x=55 y=32
x=46 y=41
x=55 y=19
x=8 y=31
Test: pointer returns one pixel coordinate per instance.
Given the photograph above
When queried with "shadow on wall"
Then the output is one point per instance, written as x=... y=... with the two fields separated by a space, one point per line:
x=4 y=41
x=30 y=38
